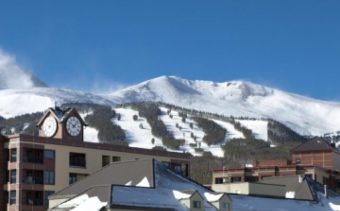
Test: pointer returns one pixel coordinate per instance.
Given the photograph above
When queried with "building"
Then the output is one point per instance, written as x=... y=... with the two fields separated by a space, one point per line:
x=34 y=167
x=144 y=184
x=316 y=159
x=317 y=153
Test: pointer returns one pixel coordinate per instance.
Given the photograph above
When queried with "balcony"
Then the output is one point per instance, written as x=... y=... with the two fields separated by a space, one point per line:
x=33 y=177
x=33 y=156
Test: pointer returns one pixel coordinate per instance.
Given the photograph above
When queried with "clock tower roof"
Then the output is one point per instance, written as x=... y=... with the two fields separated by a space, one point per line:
x=60 y=115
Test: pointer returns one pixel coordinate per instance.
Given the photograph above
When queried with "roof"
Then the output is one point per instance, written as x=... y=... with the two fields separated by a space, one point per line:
x=314 y=145
x=118 y=173
x=295 y=184
x=144 y=185
x=60 y=114
x=169 y=188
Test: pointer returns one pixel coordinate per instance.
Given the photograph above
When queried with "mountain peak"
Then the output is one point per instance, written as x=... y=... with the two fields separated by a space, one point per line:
x=12 y=76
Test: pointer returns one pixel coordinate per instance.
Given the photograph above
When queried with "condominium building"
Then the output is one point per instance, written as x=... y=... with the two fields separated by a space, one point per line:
x=316 y=159
x=34 y=167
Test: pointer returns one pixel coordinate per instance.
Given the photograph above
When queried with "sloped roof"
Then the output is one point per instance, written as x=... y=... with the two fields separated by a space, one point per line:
x=159 y=193
x=314 y=145
x=60 y=114
x=167 y=185
x=299 y=186
x=118 y=173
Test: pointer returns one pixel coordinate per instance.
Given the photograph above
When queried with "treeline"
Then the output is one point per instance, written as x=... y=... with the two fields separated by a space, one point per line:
x=280 y=134
x=214 y=133
x=151 y=111
x=20 y=124
x=108 y=132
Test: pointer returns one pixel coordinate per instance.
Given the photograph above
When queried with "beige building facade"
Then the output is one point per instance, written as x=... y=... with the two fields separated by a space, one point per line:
x=38 y=166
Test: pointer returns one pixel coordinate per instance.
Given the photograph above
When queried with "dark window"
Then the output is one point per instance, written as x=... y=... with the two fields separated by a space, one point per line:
x=12 y=197
x=77 y=160
x=225 y=205
x=48 y=154
x=251 y=179
x=46 y=195
x=13 y=154
x=218 y=180
x=33 y=177
x=34 y=198
x=236 y=179
x=105 y=160
x=72 y=178
x=13 y=178
x=115 y=158
x=197 y=204
x=49 y=177
x=33 y=156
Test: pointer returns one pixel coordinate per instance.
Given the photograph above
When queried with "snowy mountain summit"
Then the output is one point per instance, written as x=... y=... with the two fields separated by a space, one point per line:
x=238 y=98
x=13 y=76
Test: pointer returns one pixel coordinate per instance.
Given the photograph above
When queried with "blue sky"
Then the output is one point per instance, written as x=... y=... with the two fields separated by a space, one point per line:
x=291 y=45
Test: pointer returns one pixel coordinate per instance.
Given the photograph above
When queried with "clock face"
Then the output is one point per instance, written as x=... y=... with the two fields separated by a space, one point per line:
x=50 y=126
x=73 y=126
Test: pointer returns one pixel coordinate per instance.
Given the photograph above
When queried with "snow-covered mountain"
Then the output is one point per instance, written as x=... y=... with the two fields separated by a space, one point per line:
x=12 y=76
x=238 y=98
x=14 y=102
x=305 y=115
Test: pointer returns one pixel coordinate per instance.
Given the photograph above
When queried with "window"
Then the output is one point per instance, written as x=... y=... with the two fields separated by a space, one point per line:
x=225 y=205
x=12 y=197
x=13 y=154
x=105 y=160
x=48 y=154
x=49 y=177
x=13 y=178
x=77 y=160
x=46 y=195
x=33 y=155
x=33 y=177
x=34 y=198
x=236 y=179
x=115 y=158
x=74 y=177
x=197 y=204
x=218 y=180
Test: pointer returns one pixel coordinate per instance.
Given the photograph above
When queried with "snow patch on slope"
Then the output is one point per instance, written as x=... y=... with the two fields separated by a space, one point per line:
x=138 y=133
x=259 y=128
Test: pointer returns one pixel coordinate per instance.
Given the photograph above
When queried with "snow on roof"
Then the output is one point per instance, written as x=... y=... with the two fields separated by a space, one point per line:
x=145 y=197
x=144 y=183
x=213 y=197
x=83 y=202
x=180 y=195
x=169 y=189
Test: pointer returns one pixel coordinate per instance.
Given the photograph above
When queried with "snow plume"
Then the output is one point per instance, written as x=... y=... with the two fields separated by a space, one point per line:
x=12 y=76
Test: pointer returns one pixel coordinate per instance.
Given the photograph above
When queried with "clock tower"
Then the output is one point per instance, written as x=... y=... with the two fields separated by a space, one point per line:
x=62 y=124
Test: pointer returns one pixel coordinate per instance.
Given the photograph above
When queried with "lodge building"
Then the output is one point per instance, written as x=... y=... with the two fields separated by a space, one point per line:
x=34 y=167
x=316 y=159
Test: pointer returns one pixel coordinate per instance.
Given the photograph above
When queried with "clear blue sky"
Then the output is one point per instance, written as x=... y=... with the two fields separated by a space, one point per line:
x=292 y=45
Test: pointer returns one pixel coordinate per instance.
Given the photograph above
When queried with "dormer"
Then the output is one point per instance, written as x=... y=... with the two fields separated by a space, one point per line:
x=62 y=124
x=190 y=199
x=219 y=201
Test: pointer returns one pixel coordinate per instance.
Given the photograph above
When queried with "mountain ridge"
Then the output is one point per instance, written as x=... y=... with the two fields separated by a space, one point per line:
x=238 y=98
